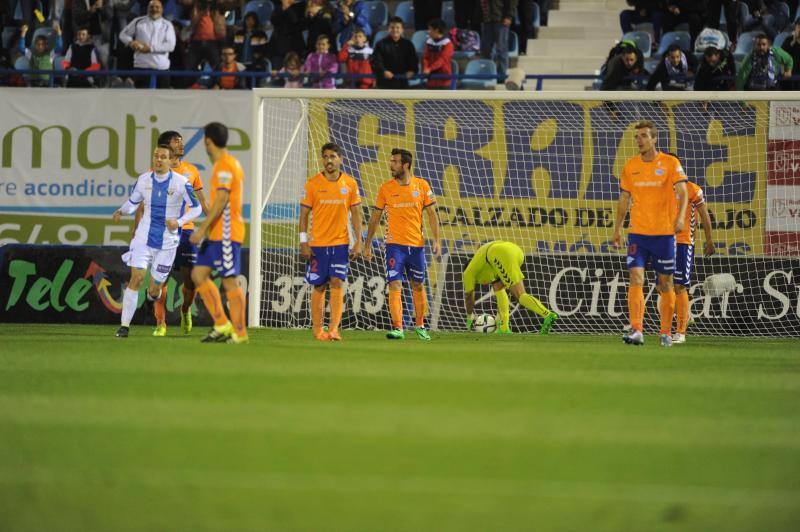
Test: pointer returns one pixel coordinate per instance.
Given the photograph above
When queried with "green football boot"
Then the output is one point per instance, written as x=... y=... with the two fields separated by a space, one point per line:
x=160 y=330
x=548 y=323
x=396 y=334
x=186 y=322
x=422 y=334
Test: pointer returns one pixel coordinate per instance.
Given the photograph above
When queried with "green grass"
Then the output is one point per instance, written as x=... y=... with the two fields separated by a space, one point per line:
x=467 y=432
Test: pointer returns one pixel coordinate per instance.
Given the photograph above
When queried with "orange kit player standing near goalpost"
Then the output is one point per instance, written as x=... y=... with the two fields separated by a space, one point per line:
x=222 y=250
x=330 y=196
x=404 y=198
x=649 y=184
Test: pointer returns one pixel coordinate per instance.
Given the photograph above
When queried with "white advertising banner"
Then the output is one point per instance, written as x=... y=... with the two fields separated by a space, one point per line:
x=784 y=120
x=783 y=209
x=78 y=152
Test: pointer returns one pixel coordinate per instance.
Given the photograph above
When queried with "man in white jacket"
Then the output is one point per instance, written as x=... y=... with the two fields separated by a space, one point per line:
x=152 y=38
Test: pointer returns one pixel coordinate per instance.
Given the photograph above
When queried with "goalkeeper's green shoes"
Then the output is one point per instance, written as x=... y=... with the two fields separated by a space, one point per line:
x=160 y=330
x=503 y=331
x=186 y=322
x=396 y=334
x=422 y=334
x=548 y=323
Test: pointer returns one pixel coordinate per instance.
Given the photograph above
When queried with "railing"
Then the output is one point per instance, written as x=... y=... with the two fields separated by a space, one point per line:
x=56 y=77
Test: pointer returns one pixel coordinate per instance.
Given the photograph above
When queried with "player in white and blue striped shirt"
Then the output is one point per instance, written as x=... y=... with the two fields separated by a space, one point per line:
x=155 y=242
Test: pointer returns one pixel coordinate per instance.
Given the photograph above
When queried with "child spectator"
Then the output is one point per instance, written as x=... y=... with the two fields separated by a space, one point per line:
x=356 y=53
x=321 y=64
x=40 y=58
x=229 y=64
x=438 y=52
x=81 y=55
x=291 y=72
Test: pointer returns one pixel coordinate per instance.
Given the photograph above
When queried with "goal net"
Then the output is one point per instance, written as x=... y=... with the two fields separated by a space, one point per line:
x=541 y=170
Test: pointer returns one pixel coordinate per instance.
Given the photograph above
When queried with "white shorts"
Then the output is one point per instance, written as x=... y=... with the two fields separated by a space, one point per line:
x=158 y=260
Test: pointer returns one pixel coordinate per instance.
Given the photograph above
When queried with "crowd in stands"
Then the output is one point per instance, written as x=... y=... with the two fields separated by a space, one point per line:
x=706 y=45
x=289 y=43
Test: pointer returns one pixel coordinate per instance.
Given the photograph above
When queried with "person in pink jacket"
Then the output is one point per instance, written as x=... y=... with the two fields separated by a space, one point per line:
x=322 y=65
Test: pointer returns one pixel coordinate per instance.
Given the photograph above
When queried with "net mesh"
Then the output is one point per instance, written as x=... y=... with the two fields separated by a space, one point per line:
x=544 y=175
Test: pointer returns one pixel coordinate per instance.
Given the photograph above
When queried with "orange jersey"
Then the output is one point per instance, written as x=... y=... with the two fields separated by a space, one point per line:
x=330 y=203
x=695 y=194
x=228 y=175
x=404 y=205
x=651 y=186
x=191 y=173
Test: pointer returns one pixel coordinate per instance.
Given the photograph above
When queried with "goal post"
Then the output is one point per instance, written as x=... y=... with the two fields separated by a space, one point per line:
x=540 y=169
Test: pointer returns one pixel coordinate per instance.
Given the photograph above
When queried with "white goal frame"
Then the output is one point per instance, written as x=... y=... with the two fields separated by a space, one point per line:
x=260 y=195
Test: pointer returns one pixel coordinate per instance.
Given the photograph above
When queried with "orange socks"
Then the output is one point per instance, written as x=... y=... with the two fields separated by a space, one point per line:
x=160 y=307
x=420 y=306
x=682 y=310
x=636 y=307
x=210 y=294
x=317 y=310
x=237 y=305
x=337 y=306
x=396 y=307
x=666 y=308
x=188 y=298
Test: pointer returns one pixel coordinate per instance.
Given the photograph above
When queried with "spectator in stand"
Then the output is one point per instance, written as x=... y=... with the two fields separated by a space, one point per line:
x=40 y=58
x=731 y=10
x=152 y=38
x=291 y=73
x=674 y=72
x=228 y=63
x=497 y=18
x=425 y=11
x=544 y=11
x=765 y=67
x=468 y=14
x=792 y=47
x=692 y=12
x=643 y=11
x=525 y=28
x=322 y=65
x=394 y=60
x=356 y=55
x=95 y=15
x=177 y=59
x=318 y=21
x=438 y=52
x=717 y=71
x=766 y=16
x=208 y=31
x=29 y=19
x=81 y=55
x=250 y=43
x=287 y=33
x=625 y=71
x=351 y=14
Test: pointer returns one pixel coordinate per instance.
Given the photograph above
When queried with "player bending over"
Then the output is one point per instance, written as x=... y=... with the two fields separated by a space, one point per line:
x=163 y=193
x=499 y=264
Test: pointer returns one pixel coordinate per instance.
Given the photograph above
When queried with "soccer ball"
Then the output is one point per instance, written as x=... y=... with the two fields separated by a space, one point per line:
x=485 y=323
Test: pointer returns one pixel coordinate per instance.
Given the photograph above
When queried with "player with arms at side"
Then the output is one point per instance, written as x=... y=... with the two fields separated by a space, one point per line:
x=649 y=184
x=164 y=194
x=498 y=263
x=684 y=256
x=404 y=199
x=187 y=252
x=222 y=250
x=330 y=196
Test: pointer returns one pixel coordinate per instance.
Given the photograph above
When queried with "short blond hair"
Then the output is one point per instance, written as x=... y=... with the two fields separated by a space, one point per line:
x=647 y=124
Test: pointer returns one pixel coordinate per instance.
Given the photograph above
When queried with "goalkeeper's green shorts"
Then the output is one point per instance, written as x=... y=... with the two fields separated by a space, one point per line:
x=506 y=259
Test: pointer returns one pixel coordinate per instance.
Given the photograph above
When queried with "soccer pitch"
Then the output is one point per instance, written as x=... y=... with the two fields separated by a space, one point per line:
x=466 y=432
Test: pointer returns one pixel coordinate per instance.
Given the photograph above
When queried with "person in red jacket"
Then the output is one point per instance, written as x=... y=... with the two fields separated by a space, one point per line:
x=438 y=52
x=355 y=54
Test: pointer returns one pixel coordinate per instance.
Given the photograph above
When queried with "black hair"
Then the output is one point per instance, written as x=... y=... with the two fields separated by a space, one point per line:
x=672 y=47
x=438 y=25
x=166 y=137
x=396 y=20
x=762 y=36
x=405 y=156
x=331 y=146
x=253 y=15
x=218 y=133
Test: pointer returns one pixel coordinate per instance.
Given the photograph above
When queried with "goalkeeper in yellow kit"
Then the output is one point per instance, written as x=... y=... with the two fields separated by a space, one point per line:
x=498 y=263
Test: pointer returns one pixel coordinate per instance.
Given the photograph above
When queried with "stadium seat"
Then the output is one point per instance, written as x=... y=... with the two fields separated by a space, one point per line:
x=454 y=67
x=230 y=18
x=537 y=17
x=9 y=35
x=378 y=14
x=782 y=37
x=21 y=63
x=419 y=38
x=170 y=9
x=449 y=13
x=405 y=10
x=785 y=7
x=513 y=44
x=417 y=82
x=379 y=36
x=262 y=8
x=642 y=39
x=681 y=38
x=480 y=67
x=651 y=64
x=745 y=44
